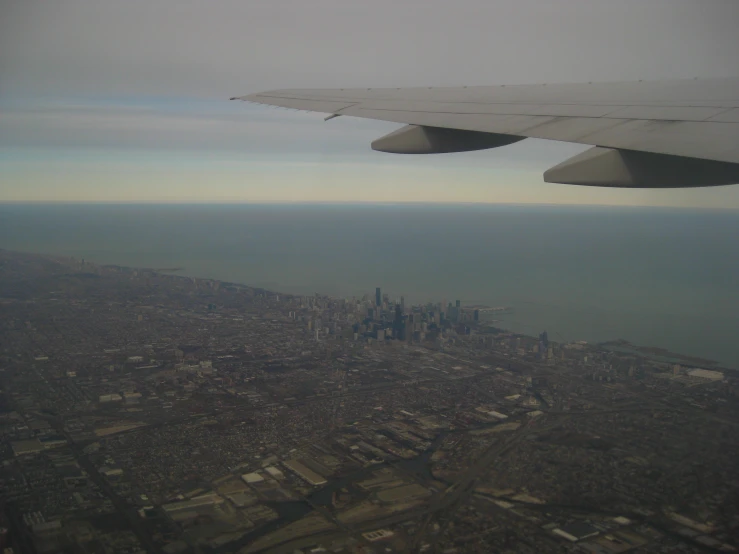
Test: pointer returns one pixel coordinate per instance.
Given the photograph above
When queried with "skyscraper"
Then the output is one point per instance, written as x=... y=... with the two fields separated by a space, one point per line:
x=378 y=297
x=544 y=338
x=399 y=324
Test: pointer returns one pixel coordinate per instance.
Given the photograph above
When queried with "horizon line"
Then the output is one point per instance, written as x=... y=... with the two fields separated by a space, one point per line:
x=377 y=203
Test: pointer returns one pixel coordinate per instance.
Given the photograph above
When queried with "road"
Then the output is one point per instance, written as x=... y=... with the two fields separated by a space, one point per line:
x=124 y=509
x=444 y=505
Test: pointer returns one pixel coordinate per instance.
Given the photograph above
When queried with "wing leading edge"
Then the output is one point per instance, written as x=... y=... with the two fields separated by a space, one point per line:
x=645 y=134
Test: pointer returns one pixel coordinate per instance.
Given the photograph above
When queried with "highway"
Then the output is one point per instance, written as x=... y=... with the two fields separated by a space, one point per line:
x=444 y=505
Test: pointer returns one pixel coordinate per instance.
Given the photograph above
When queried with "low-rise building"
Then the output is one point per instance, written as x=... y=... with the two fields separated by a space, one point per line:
x=305 y=473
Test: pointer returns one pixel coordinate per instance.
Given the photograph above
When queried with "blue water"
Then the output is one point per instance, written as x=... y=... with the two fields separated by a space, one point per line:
x=658 y=277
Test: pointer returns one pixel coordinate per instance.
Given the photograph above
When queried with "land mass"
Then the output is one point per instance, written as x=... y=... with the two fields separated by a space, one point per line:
x=148 y=412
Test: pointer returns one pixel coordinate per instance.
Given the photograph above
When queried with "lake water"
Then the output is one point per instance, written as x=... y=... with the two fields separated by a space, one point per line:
x=657 y=277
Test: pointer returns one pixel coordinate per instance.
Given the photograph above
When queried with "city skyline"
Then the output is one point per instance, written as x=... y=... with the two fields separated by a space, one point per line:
x=155 y=412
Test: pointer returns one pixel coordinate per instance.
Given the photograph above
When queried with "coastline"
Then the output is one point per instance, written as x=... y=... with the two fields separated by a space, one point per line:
x=654 y=353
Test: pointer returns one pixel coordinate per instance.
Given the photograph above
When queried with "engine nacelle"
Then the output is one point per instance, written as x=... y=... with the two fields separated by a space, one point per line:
x=415 y=139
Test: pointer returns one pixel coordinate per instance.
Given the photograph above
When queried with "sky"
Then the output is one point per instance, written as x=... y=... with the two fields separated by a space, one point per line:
x=111 y=101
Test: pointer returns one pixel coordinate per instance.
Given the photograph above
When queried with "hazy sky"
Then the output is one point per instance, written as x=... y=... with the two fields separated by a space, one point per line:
x=111 y=100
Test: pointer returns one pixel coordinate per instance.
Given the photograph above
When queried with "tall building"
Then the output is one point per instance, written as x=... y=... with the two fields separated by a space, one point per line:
x=399 y=329
x=477 y=315
x=378 y=297
x=402 y=303
x=543 y=337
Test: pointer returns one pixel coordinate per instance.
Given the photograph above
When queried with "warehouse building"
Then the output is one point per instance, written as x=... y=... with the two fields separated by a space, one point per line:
x=305 y=473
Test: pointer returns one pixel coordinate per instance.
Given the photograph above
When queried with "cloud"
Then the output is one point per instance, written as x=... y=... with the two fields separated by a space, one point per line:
x=225 y=47
x=138 y=89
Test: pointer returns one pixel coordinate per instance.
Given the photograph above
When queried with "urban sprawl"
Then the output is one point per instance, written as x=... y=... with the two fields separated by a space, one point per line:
x=144 y=411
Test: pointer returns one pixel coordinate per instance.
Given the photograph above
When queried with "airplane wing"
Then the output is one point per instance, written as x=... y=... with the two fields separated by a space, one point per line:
x=644 y=134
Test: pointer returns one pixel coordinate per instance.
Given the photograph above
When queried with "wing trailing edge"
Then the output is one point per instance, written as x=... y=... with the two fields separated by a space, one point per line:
x=658 y=134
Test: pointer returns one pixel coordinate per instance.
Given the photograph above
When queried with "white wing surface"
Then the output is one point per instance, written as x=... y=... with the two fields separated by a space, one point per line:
x=645 y=134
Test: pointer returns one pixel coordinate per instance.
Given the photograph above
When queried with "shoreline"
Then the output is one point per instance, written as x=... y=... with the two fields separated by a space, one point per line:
x=654 y=353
